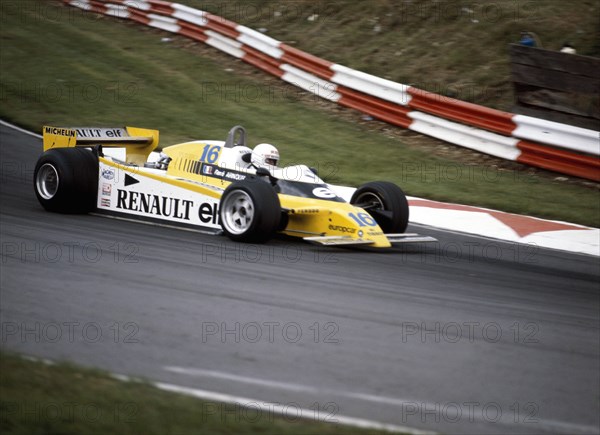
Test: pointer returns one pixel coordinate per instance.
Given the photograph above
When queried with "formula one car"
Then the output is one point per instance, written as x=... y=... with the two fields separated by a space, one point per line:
x=211 y=186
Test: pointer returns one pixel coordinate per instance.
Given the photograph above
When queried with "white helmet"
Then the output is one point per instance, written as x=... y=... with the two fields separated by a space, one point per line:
x=265 y=155
x=239 y=160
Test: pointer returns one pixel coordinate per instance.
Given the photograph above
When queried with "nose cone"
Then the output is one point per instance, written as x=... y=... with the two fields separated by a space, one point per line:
x=358 y=224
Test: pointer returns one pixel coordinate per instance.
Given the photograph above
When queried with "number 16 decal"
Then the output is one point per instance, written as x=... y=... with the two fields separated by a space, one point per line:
x=210 y=154
x=363 y=219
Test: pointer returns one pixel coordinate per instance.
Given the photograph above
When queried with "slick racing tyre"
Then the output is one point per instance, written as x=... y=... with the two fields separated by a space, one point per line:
x=386 y=203
x=65 y=180
x=250 y=211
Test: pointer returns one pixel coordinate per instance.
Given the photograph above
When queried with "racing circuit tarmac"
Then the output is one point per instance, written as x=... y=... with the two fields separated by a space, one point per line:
x=466 y=336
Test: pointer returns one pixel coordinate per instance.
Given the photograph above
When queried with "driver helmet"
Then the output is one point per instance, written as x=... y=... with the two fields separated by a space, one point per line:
x=265 y=156
x=239 y=160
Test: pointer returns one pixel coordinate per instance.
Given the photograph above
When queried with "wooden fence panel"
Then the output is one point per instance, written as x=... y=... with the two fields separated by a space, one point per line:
x=557 y=86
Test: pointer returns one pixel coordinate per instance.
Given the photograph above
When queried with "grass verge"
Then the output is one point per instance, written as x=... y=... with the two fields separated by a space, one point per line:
x=41 y=398
x=454 y=48
x=62 y=66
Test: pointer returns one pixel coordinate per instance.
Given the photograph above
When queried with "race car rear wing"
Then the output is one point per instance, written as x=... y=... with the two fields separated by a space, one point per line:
x=138 y=142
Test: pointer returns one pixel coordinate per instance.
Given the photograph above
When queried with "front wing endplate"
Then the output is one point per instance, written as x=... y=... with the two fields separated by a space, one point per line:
x=409 y=238
x=349 y=241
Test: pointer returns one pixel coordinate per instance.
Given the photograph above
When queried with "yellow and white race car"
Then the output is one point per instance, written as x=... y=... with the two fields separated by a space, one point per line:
x=211 y=186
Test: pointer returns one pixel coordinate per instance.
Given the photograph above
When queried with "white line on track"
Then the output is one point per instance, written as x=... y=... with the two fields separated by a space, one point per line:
x=19 y=129
x=243 y=379
x=291 y=411
x=289 y=386
x=406 y=404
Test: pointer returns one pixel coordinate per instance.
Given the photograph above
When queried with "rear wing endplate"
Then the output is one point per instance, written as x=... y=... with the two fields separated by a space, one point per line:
x=138 y=142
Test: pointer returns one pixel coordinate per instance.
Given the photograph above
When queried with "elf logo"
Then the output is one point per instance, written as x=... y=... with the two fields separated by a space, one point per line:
x=208 y=213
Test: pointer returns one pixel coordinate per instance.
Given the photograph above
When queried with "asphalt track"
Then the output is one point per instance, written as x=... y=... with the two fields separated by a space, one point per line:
x=469 y=335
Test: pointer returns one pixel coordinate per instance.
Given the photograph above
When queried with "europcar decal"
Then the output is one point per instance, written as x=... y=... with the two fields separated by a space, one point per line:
x=342 y=229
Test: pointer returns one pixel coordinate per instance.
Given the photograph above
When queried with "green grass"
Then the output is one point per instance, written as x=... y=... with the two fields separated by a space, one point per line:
x=38 y=398
x=451 y=47
x=61 y=66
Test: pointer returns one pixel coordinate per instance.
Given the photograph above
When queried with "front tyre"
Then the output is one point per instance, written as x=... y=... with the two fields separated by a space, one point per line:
x=386 y=203
x=250 y=211
x=65 y=180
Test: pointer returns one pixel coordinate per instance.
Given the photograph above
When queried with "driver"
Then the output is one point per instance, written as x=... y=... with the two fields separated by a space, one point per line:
x=265 y=156
x=241 y=157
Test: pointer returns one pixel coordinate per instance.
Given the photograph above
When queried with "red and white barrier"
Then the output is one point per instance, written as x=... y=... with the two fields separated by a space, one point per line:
x=470 y=137
x=537 y=142
x=560 y=135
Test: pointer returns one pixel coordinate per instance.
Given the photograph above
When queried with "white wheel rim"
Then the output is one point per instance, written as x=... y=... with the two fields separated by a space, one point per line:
x=237 y=212
x=47 y=181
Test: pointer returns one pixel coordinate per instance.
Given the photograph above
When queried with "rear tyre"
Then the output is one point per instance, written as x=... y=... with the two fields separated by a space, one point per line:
x=386 y=203
x=250 y=211
x=65 y=180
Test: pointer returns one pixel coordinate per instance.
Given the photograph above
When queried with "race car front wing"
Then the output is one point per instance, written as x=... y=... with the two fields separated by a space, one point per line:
x=349 y=241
